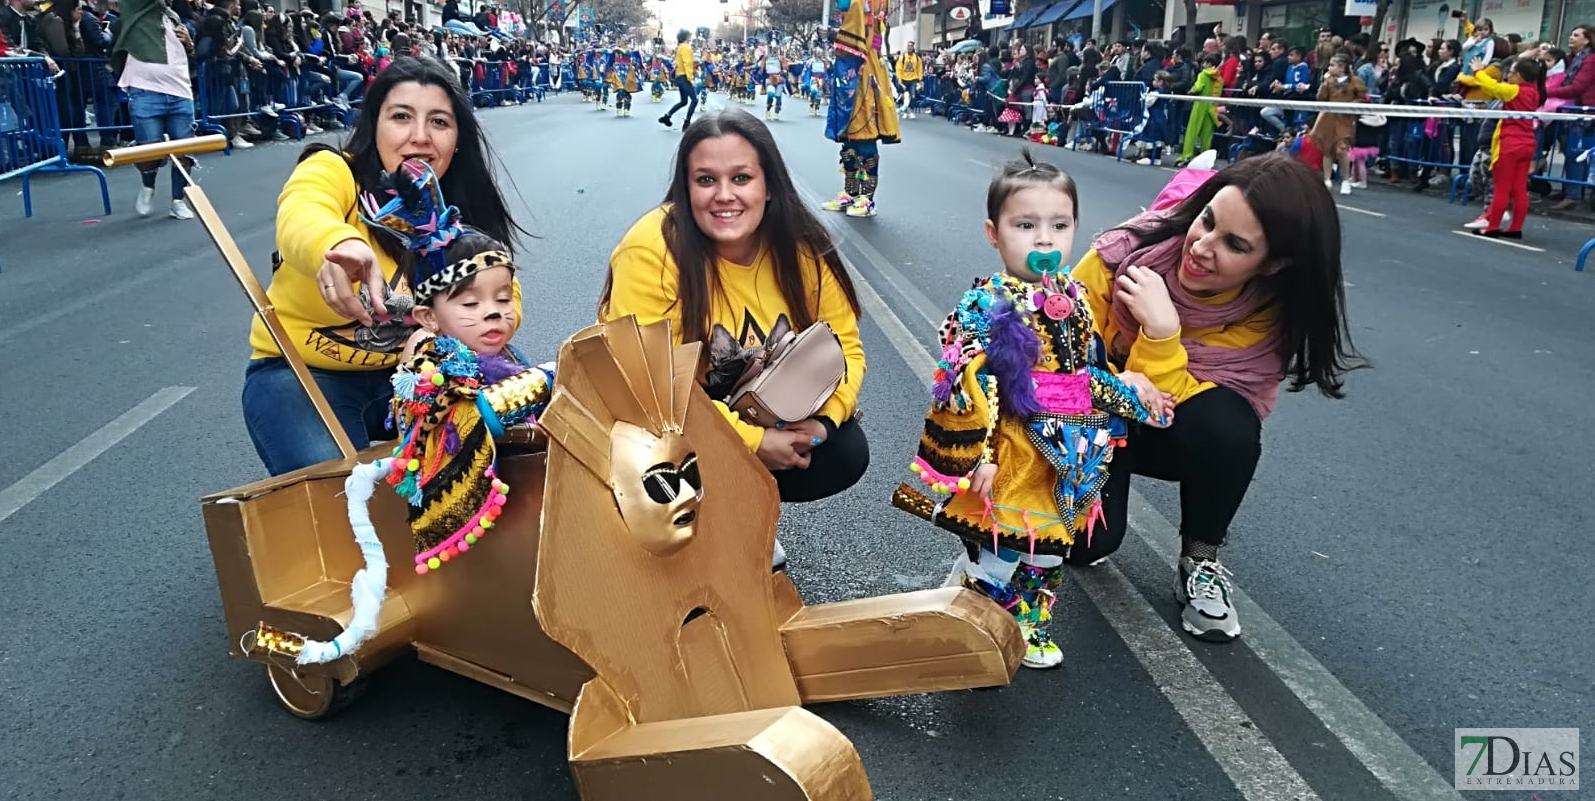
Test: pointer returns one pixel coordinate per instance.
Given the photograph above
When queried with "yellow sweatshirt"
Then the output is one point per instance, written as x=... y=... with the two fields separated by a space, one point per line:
x=316 y=211
x=645 y=284
x=684 y=61
x=910 y=67
x=1164 y=360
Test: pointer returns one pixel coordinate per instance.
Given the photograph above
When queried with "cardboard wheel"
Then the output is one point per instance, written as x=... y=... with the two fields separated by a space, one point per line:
x=311 y=697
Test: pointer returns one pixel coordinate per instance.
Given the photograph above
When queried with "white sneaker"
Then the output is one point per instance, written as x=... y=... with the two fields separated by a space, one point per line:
x=181 y=211
x=1478 y=224
x=1328 y=184
x=310 y=128
x=1345 y=188
x=145 y=203
x=1359 y=184
x=241 y=143
x=1203 y=590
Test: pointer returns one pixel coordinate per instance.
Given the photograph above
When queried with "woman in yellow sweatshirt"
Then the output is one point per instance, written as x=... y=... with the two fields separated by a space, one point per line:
x=1217 y=300
x=731 y=256
x=339 y=289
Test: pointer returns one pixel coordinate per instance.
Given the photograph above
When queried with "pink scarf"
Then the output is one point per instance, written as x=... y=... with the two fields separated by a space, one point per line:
x=1254 y=372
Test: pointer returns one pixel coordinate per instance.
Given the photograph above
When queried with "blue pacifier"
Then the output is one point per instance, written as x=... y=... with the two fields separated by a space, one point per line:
x=1050 y=263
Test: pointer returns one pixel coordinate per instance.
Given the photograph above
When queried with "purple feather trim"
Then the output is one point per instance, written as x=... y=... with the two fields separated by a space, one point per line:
x=1012 y=354
x=451 y=438
x=942 y=391
x=496 y=367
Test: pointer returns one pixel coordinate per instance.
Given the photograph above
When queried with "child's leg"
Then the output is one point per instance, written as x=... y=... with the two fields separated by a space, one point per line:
x=1501 y=193
x=1519 y=188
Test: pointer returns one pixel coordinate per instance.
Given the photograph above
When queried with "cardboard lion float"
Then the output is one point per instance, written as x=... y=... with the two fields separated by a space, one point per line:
x=650 y=614
x=626 y=582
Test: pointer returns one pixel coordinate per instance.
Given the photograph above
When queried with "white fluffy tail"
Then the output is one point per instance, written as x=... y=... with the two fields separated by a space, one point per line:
x=370 y=585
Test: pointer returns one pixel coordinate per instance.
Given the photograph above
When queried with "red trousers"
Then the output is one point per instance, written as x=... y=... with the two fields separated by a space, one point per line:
x=1511 y=177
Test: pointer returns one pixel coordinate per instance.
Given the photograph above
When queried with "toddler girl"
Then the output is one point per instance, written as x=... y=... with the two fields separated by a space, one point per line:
x=1025 y=413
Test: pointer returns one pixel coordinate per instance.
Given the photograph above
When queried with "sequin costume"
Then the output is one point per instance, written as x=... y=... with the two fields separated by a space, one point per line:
x=1022 y=384
x=863 y=112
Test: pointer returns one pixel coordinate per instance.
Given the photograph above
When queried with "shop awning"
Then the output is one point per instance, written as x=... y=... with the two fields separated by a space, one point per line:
x=1086 y=7
x=1055 y=12
x=1023 y=20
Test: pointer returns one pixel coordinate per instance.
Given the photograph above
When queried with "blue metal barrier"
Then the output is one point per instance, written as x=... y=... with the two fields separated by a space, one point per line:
x=30 y=129
x=90 y=102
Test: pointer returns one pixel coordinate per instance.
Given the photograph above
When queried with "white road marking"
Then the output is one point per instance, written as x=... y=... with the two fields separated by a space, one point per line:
x=1386 y=756
x=1507 y=242
x=86 y=450
x=1344 y=207
x=1252 y=763
x=988 y=165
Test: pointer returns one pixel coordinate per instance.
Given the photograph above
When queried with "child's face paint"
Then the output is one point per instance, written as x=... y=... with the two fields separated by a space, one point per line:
x=483 y=316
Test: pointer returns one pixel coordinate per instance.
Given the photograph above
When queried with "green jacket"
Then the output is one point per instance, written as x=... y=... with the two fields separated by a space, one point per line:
x=1208 y=83
x=140 y=32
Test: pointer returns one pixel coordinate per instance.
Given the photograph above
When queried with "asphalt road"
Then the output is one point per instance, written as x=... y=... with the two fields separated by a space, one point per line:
x=1416 y=556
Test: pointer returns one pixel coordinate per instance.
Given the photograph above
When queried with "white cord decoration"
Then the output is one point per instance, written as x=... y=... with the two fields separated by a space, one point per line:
x=369 y=586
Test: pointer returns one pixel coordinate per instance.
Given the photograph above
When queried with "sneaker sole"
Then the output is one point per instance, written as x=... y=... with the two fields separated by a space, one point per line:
x=1210 y=635
x=1033 y=666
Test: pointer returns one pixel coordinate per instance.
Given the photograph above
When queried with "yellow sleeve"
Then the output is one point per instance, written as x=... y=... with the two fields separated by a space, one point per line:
x=836 y=310
x=1098 y=282
x=1162 y=360
x=1492 y=87
x=645 y=285
x=313 y=211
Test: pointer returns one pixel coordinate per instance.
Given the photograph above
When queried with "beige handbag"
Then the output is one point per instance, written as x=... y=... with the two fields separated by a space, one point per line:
x=791 y=379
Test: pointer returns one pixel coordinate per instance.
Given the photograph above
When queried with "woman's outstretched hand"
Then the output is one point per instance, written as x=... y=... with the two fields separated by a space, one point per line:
x=785 y=450
x=350 y=262
x=1159 y=404
x=1147 y=297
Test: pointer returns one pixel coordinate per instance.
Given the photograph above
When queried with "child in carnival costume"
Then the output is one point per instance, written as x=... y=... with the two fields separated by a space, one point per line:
x=463 y=383
x=624 y=77
x=775 y=78
x=1025 y=413
x=656 y=77
x=460 y=385
x=863 y=113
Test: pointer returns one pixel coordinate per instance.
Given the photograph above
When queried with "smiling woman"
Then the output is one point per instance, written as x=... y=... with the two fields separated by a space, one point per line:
x=1217 y=300
x=732 y=258
x=338 y=288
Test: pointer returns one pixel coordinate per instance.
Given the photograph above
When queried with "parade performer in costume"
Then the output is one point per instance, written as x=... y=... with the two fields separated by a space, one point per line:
x=814 y=71
x=862 y=113
x=460 y=385
x=657 y=74
x=775 y=77
x=1025 y=415
x=624 y=77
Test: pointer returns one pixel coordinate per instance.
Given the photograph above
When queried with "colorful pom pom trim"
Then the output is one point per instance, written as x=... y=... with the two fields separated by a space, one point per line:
x=469 y=534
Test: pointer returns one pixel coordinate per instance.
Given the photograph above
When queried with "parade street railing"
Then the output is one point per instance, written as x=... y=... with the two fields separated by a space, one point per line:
x=30 y=128
x=90 y=103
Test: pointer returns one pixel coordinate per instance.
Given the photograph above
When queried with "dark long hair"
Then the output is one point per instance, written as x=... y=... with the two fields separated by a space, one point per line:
x=1302 y=226
x=789 y=231
x=468 y=183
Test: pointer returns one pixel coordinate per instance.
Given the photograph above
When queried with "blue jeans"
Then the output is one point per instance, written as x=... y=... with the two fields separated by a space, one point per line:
x=287 y=433
x=155 y=117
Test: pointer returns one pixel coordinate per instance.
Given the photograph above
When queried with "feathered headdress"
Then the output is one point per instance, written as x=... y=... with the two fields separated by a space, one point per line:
x=410 y=206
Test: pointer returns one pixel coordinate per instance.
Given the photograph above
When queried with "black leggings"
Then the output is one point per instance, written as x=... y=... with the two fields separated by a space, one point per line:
x=689 y=95
x=1211 y=450
x=833 y=467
